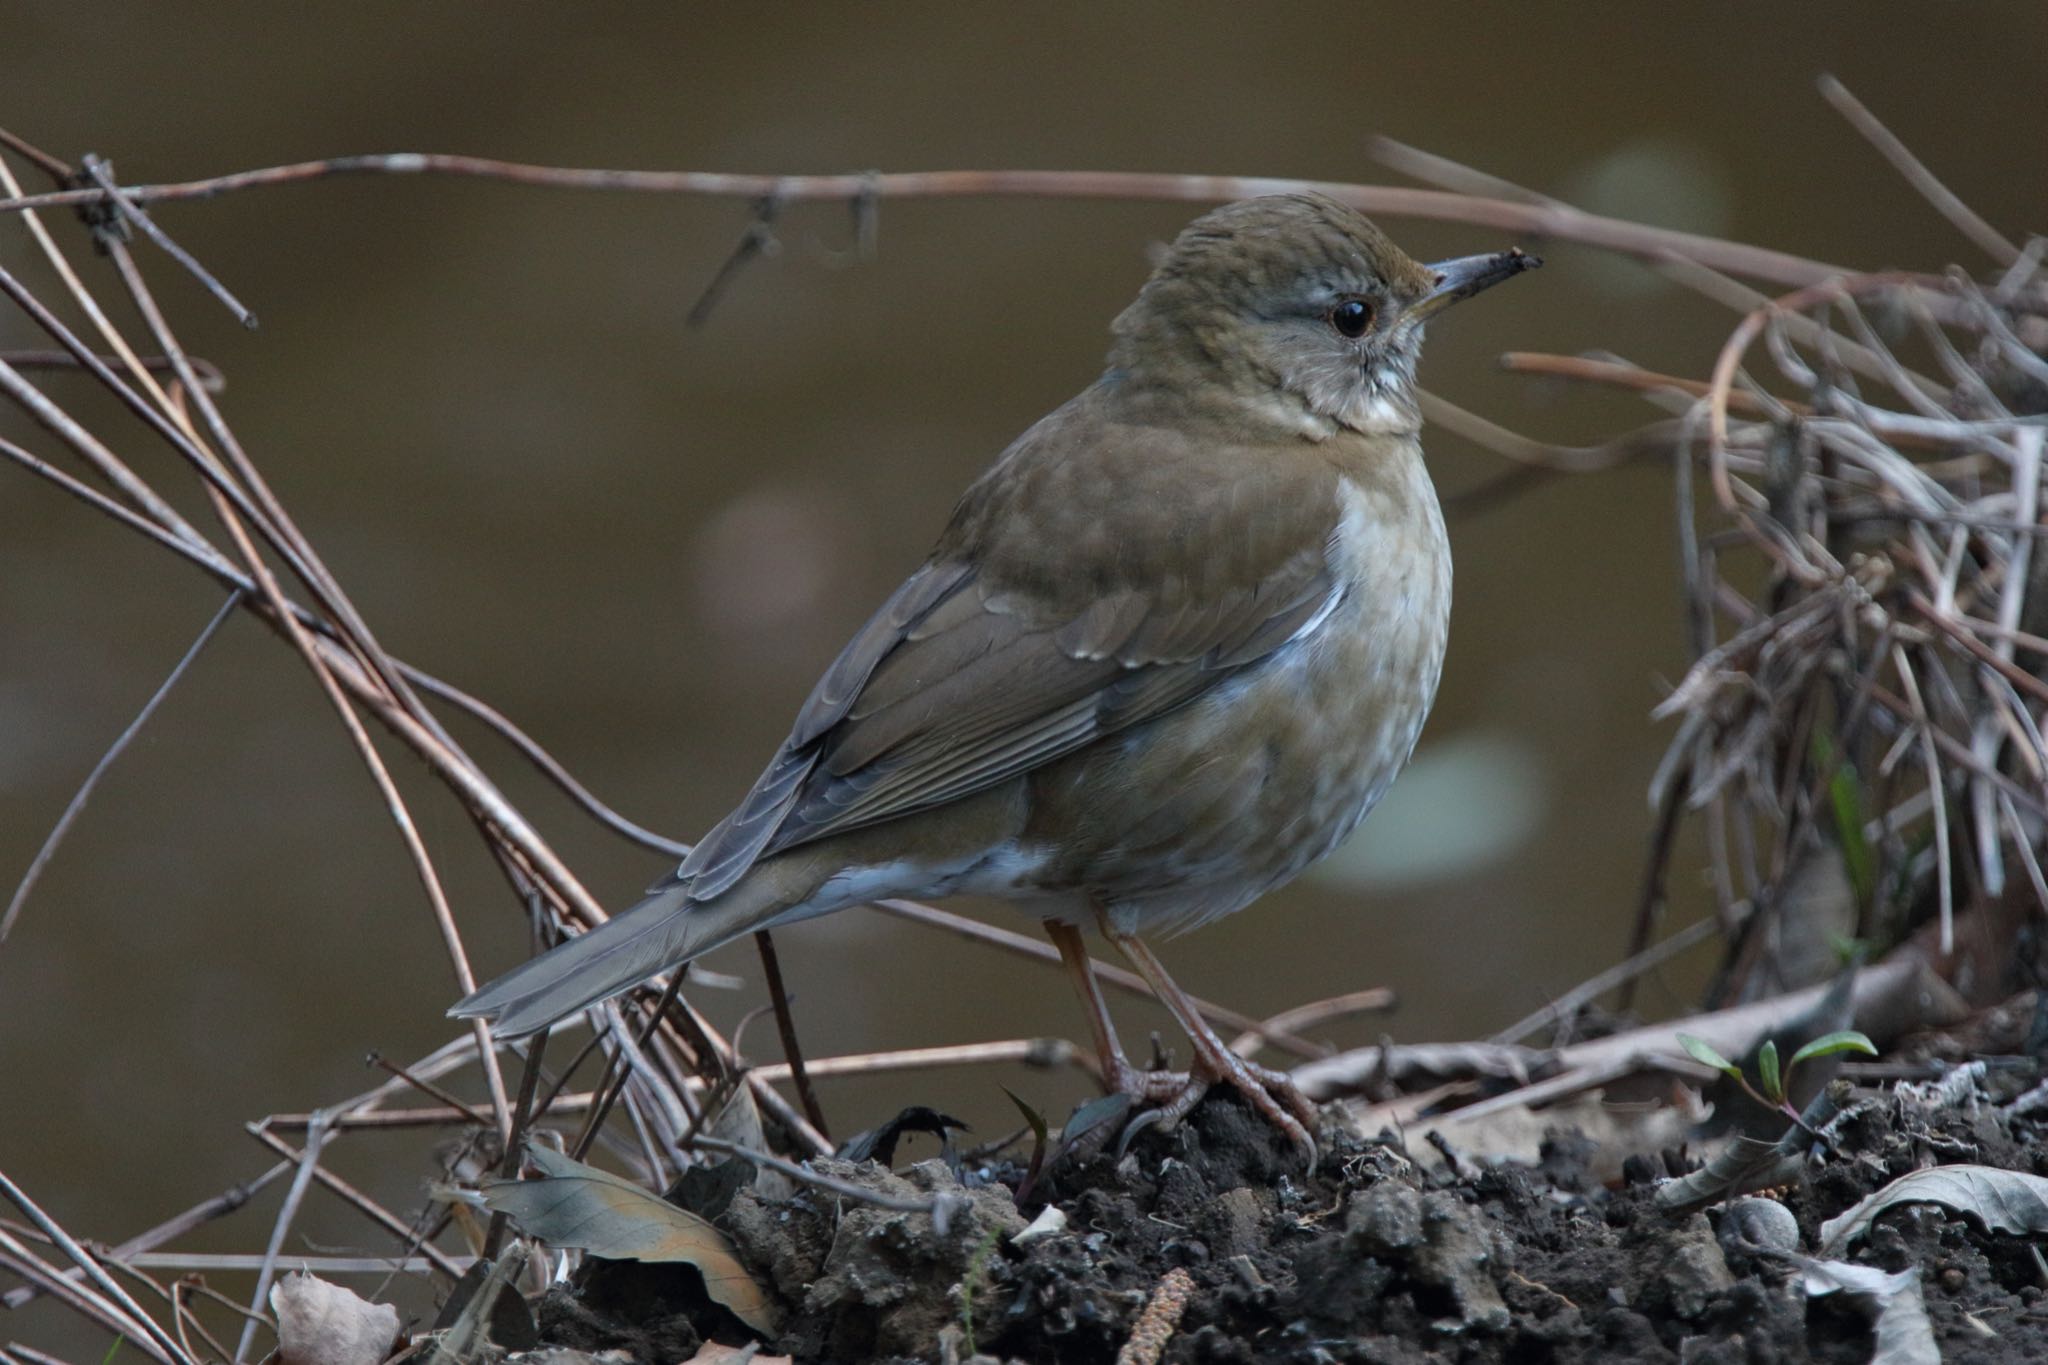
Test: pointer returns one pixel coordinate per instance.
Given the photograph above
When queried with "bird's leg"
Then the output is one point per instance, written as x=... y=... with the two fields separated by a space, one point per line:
x=1270 y=1092
x=1119 y=1077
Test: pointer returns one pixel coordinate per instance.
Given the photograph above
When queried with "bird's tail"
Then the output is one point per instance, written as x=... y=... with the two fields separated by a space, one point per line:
x=665 y=930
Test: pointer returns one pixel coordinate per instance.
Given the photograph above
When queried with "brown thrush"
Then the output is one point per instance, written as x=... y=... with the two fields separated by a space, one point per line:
x=1169 y=651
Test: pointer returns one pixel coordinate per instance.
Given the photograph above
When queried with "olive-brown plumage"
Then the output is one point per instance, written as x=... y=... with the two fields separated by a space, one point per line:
x=1171 y=648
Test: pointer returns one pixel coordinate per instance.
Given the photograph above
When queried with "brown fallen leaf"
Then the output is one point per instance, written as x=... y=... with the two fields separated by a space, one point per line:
x=574 y=1205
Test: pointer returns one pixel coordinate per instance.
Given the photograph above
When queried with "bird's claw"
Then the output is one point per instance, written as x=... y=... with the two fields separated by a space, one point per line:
x=1171 y=1094
x=1145 y=1087
x=1275 y=1095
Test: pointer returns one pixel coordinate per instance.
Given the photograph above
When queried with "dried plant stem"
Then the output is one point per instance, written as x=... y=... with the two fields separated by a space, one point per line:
x=349 y=1194
x=1916 y=174
x=1312 y=1015
x=144 y=1330
x=76 y=805
x=931 y=1204
x=309 y=1165
x=1944 y=876
x=785 y=1024
x=134 y=1247
x=1591 y=989
x=1540 y=219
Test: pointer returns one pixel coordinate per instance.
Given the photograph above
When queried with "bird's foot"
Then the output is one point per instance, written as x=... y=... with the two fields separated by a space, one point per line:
x=1119 y=1077
x=1272 y=1093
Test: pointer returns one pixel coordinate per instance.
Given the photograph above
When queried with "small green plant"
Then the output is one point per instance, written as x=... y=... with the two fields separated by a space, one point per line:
x=1850 y=809
x=1773 y=1083
x=977 y=1267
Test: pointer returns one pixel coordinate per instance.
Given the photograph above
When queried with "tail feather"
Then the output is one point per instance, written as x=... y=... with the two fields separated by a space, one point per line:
x=665 y=930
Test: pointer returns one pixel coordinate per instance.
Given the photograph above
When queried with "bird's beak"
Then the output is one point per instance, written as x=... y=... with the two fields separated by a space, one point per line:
x=1466 y=276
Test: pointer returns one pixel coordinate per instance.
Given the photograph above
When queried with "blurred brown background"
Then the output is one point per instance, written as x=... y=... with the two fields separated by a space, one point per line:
x=642 y=541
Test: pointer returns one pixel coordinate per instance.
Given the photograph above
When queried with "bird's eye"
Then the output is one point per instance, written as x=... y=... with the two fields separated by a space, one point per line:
x=1351 y=317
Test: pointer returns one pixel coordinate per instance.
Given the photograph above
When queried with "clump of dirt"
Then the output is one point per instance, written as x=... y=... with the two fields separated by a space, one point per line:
x=1377 y=1256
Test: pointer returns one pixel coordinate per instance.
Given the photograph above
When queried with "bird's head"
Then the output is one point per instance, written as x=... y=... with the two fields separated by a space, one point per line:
x=1304 y=312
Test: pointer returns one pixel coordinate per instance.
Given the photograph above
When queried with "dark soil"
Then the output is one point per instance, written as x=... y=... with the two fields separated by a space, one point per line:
x=1373 y=1257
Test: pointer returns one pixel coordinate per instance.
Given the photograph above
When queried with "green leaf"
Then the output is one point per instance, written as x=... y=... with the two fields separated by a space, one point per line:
x=1828 y=1044
x=1848 y=949
x=1845 y=800
x=1706 y=1056
x=1767 y=1072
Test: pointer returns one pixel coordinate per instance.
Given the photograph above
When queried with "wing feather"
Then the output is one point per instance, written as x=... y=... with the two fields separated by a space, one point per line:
x=1040 y=626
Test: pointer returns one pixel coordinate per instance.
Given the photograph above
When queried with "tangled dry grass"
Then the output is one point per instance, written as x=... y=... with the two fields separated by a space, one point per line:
x=1877 y=695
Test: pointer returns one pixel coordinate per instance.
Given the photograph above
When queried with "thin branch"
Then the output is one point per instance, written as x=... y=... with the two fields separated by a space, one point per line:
x=428 y=1088
x=757 y=241
x=785 y=1025
x=618 y=1062
x=931 y=1204
x=309 y=1162
x=153 y=1337
x=205 y=1212
x=548 y=766
x=101 y=175
x=349 y=1194
x=57 y=169
x=208 y=372
x=1371 y=1000
x=1944 y=876
x=76 y=807
x=1915 y=173
x=1591 y=989
x=1536 y=220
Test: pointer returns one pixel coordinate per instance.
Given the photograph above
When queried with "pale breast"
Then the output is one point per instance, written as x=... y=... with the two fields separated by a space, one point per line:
x=1375 y=665
x=1193 y=816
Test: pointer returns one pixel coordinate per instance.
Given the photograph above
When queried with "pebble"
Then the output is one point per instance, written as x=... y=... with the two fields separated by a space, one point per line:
x=1758 y=1223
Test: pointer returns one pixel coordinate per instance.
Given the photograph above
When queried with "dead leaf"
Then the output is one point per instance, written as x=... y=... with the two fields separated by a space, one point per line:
x=574 y=1205
x=1743 y=1165
x=1412 y=1066
x=739 y=1122
x=323 y=1324
x=712 y=1353
x=2004 y=1201
x=1518 y=1133
x=1904 y=1334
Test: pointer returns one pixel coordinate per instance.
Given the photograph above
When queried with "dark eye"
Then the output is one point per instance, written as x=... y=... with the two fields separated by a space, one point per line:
x=1351 y=317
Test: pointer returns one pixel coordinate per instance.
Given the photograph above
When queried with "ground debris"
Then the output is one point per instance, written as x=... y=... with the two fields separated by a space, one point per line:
x=1377 y=1256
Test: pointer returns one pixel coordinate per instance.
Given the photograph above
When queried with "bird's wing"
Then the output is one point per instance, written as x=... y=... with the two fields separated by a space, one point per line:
x=1041 y=624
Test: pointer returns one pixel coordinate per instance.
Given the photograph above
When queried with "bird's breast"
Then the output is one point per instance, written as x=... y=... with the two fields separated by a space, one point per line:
x=1194 y=815
x=1349 y=696
x=1384 y=640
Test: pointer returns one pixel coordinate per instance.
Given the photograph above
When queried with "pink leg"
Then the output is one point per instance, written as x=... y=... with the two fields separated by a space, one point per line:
x=1270 y=1092
x=1119 y=1077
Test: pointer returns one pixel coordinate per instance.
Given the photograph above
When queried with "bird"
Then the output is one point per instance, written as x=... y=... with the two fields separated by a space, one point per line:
x=1168 y=651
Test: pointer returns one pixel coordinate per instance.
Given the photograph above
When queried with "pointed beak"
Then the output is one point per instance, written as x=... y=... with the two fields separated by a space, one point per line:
x=1466 y=276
